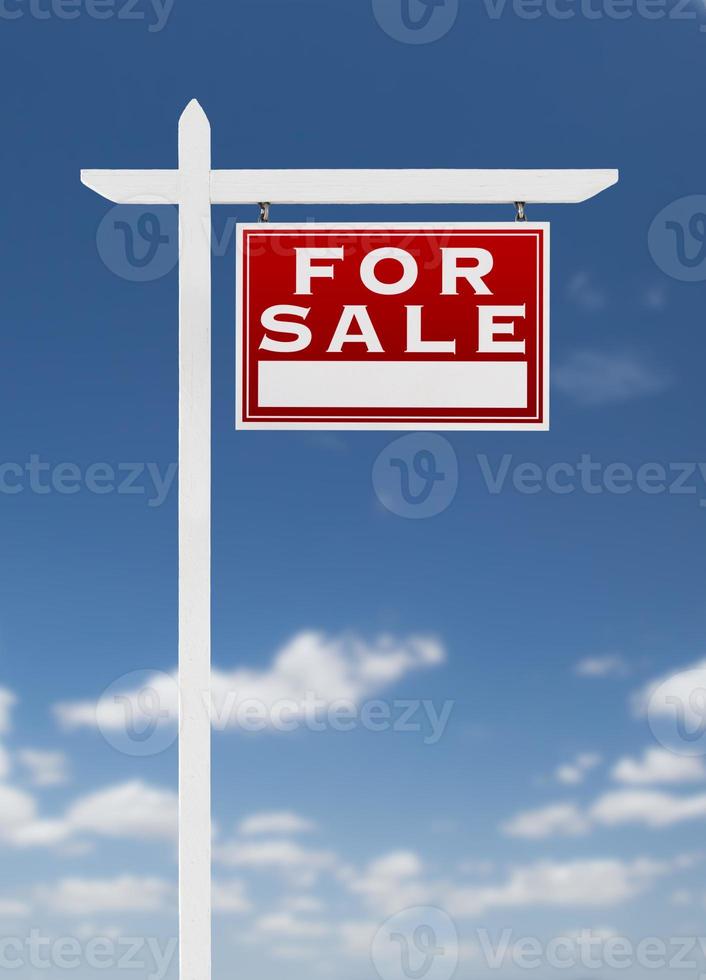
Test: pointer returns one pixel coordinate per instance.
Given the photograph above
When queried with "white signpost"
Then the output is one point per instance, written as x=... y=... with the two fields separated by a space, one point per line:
x=194 y=187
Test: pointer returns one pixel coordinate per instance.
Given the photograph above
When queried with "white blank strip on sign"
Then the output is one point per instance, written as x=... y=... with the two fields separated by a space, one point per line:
x=393 y=384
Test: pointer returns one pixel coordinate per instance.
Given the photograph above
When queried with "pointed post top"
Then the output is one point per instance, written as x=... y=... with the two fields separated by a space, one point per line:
x=194 y=139
x=192 y=113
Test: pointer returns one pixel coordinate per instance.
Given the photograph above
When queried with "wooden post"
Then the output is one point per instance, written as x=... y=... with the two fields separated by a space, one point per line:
x=194 y=544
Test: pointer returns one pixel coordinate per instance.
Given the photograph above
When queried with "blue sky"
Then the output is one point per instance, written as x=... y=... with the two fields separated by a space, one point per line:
x=546 y=805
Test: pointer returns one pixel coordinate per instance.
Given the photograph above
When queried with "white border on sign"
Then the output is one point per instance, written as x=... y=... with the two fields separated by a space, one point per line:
x=385 y=425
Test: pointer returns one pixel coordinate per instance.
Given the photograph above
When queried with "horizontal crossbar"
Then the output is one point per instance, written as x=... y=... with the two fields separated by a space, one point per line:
x=358 y=186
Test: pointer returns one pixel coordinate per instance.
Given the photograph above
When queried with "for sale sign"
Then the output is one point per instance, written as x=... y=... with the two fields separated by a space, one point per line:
x=393 y=326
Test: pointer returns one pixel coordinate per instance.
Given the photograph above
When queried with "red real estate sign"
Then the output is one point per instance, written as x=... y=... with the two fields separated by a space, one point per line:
x=393 y=326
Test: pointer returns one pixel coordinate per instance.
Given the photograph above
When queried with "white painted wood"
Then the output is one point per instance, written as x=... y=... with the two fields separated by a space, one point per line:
x=360 y=186
x=407 y=186
x=194 y=544
x=134 y=186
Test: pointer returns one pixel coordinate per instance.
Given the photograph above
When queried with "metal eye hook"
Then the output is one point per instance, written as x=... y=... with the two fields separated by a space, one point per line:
x=520 y=211
x=264 y=211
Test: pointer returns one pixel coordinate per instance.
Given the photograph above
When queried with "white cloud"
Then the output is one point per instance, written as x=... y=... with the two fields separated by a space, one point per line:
x=274 y=855
x=659 y=766
x=301 y=903
x=682 y=898
x=477 y=867
x=357 y=936
x=296 y=953
x=275 y=822
x=573 y=773
x=556 y=820
x=569 y=774
x=398 y=881
x=397 y=864
x=637 y=807
x=41 y=833
x=683 y=688
x=581 y=883
x=596 y=378
x=7 y=701
x=17 y=810
x=89 y=896
x=590 y=883
x=45 y=768
x=649 y=808
x=230 y=896
x=132 y=809
x=287 y=924
x=608 y=665
x=11 y=908
x=311 y=667
x=390 y=883
x=110 y=712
